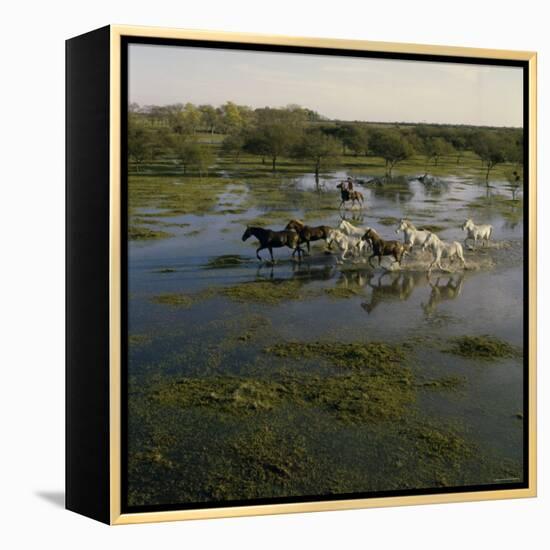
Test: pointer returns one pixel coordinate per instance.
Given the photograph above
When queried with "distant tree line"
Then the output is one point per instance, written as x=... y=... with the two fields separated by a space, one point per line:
x=300 y=133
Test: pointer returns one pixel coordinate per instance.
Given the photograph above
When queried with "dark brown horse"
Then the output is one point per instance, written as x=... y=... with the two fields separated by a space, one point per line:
x=384 y=248
x=308 y=234
x=349 y=195
x=274 y=239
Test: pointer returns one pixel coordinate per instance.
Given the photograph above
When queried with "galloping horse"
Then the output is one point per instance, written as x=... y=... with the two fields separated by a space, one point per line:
x=381 y=247
x=477 y=232
x=274 y=239
x=441 y=249
x=307 y=233
x=412 y=235
x=349 y=195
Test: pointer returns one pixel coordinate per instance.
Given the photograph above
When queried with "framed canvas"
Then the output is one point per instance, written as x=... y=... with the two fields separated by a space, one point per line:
x=300 y=274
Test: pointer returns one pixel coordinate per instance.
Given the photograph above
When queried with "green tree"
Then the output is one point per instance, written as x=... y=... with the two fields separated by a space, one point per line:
x=435 y=148
x=317 y=147
x=200 y=157
x=210 y=118
x=353 y=137
x=233 y=145
x=140 y=141
x=515 y=180
x=235 y=118
x=392 y=146
x=181 y=147
x=460 y=145
x=493 y=149
x=276 y=133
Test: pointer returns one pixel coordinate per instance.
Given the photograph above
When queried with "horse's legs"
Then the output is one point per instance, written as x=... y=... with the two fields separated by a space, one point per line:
x=308 y=247
x=370 y=259
x=434 y=262
x=271 y=253
x=258 y=251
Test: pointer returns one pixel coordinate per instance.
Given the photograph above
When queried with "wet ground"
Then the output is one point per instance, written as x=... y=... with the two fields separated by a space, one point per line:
x=239 y=387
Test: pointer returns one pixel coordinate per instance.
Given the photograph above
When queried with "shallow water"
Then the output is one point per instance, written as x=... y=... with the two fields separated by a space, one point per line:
x=202 y=339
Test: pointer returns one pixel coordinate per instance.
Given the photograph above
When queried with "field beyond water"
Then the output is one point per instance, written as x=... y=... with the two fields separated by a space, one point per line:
x=249 y=380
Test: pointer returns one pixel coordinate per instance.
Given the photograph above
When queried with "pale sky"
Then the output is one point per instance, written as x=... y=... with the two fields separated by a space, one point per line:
x=344 y=88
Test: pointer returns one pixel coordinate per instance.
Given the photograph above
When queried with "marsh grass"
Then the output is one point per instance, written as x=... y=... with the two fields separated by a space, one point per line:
x=139 y=233
x=351 y=398
x=447 y=383
x=356 y=355
x=138 y=340
x=178 y=300
x=265 y=292
x=342 y=292
x=483 y=347
x=388 y=220
x=225 y=260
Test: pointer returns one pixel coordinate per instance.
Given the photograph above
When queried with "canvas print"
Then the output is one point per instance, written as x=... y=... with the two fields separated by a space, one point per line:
x=325 y=276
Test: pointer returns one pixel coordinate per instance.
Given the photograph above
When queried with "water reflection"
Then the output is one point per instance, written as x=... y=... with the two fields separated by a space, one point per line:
x=356 y=216
x=392 y=287
x=302 y=271
x=377 y=288
x=444 y=289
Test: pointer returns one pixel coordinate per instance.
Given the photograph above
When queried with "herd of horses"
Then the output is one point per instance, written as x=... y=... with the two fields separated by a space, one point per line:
x=353 y=241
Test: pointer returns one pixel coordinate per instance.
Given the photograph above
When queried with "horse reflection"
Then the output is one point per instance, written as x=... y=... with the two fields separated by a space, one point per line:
x=303 y=272
x=451 y=290
x=399 y=288
x=356 y=216
x=354 y=279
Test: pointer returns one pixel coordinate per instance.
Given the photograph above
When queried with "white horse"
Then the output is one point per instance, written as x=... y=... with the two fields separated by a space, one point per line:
x=350 y=229
x=441 y=249
x=411 y=235
x=346 y=243
x=476 y=232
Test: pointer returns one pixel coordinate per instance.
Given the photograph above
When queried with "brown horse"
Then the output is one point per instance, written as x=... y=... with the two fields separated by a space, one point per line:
x=384 y=248
x=273 y=239
x=308 y=234
x=347 y=194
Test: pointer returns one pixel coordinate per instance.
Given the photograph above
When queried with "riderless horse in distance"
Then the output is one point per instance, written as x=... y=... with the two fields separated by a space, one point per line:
x=347 y=193
x=274 y=239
